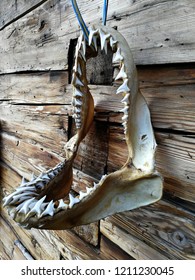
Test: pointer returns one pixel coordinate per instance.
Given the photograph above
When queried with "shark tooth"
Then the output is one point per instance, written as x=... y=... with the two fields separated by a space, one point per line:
x=123 y=88
x=45 y=176
x=81 y=37
x=117 y=57
x=126 y=99
x=25 y=206
x=89 y=190
x=49 y=210
x=95 y=185
x=8 y=199
x=24 y=182
x=62 y=205
x=73 y=200
x=76 y=81
x=124 y=124
x=113 y=42
x=103 y=40
x=77 y=93
x=20 y=198
x=77 y=102
x=125 y=110
x=40 y=185
x=24 y=189
x=82 y=195
x=102 y=178
x=95 y=42
x=125 y=117
x=92 y=32
x=77 y=110
x=79 y=69
x=121 y=74
x=37 y=207
x=83 y=45
x=77 y=116
x=51 y=175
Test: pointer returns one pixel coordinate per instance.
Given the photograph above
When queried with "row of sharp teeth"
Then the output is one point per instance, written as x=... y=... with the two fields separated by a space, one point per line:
x=32 y=188
x=29 y=206
x=94 y=34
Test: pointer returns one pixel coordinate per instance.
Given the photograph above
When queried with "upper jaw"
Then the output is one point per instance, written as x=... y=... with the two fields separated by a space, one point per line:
x=47 y=201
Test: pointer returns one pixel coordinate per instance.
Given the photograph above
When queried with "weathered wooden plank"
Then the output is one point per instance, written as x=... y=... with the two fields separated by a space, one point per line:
x=152 y=76
x=175 y=160
x=43 y=127
x=50 y=87
x=93 y=151
x=11 y=10
x=112 y=251
x=132 y=245
x=172 y=107
x=73 y=247
x=36 y=242
x=8 y=249
x=162 y=227
x=158 y=32
x=34 y=88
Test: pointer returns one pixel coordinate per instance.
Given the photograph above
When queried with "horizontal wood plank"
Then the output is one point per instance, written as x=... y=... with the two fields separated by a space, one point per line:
x=159 y=228
x=11 y=10
x=112 y=251
x=171 y=106
x=157 y=32
x=8 y=248
x=130 y=244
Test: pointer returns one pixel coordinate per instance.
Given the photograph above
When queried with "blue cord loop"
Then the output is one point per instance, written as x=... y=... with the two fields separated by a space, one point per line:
x=80 y=18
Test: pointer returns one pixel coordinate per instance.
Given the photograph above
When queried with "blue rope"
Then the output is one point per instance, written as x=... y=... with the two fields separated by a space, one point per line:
x=80 y=18
x=104 y=13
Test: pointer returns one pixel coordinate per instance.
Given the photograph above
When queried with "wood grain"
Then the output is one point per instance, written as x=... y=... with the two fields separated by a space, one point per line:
x=129 y=243
x=165 y=228
x=157 y=32
x=11 y=10
x=8 y=249
x=112 y=251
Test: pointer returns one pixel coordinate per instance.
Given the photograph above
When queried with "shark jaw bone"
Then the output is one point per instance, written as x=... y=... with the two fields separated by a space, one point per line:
x=47 y=201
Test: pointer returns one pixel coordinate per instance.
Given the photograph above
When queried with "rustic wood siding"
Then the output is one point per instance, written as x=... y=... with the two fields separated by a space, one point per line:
x=36 y=122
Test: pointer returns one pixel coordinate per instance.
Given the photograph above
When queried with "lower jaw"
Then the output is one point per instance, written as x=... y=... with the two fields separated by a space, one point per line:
x=110 y=198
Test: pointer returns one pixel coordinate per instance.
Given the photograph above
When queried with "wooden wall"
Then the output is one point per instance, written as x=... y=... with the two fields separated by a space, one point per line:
x=36 y=41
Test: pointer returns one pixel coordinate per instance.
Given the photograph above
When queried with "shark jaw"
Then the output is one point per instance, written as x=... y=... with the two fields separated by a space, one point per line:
x=47 y=201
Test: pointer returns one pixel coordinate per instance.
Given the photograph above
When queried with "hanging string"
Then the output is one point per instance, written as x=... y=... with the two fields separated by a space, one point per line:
x=104 y=13
x=80 y=18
